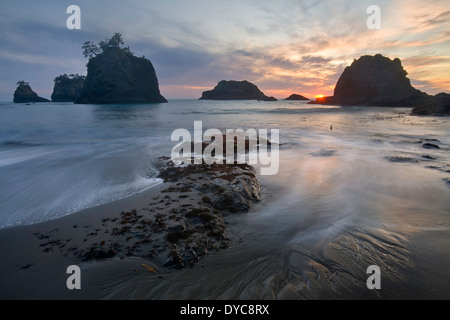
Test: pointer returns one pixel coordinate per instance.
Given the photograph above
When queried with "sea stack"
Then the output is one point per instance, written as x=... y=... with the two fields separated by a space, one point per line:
x=115 y=75
x=236 y=90
x=67 y=88
x=375 y=81
x=439 y=105
x=24 y=94
x=296 y=97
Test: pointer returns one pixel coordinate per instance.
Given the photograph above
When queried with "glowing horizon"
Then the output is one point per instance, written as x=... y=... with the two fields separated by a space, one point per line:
x=284 y=48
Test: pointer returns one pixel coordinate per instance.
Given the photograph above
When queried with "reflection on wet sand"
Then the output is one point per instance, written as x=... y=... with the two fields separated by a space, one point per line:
x=340 y=214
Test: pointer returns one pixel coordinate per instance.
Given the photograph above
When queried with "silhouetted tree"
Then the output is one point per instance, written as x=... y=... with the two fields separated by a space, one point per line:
x=66 y=78
x=22 y=83
x=90 y=49
x=116 y=40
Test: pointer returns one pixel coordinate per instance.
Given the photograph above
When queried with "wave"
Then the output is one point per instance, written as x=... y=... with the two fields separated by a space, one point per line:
x=19 y=143
x=73 y=199
x=272 y=111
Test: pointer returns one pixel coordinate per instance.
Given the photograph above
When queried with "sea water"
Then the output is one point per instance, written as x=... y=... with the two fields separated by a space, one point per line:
x=355 y=185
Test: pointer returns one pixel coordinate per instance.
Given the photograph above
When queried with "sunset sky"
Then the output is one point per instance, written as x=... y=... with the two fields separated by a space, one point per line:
x=283 y=46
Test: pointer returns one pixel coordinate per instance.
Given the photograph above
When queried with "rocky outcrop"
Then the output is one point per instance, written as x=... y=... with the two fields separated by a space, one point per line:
x=296 y=97
x=268 y=99
x=117 y=76
x=24 y=94
x=235 y=90
x=184 y=221
x=375 y=81
x=223 y=189
x=67 y=88
x=439 y=105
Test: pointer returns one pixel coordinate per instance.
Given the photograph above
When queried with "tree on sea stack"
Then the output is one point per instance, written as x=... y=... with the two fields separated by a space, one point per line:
x=90 y=49
x=25 y=94
x=22 y=83
x=116 y=75
x=67 y=88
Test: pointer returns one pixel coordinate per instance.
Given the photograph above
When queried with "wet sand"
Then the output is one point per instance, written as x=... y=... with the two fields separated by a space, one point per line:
x=336 y=207
x=28 y=272
x=168 y=227
x=413 y=257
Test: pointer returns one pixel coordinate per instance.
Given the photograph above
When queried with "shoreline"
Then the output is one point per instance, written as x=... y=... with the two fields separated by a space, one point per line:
x=121 y=239
x=317 y=227
x=30 y=273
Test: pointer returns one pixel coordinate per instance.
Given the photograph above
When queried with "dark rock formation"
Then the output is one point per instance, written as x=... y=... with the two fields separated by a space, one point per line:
x=25 y=94
x=67 y=88
x=228 y=188
x=430 y=146
x=202 y=227
x=296 y=97
x=269 y=99
x=375 y=81
x=401 y=159
x=117 y=76
x=439 y=105
x=235 y=90
x=181 y=223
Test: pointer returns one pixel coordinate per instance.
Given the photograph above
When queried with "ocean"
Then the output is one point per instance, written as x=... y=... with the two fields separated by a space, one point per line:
x=359 y=181
x=59 y=158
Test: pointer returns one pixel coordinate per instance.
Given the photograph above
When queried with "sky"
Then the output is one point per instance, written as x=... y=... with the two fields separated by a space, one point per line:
x=282 y=46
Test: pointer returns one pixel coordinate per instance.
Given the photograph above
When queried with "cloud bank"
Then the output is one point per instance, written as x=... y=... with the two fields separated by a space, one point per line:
x=283 y=46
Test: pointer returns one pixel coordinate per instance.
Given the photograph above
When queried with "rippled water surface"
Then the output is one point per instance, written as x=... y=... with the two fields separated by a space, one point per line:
x=356 y=187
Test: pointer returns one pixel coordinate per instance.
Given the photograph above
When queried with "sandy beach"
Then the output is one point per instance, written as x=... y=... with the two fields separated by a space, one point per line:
x=28 y=272
x=243 y=150
x=167 y=227
x=413 y=257
x=372 y=191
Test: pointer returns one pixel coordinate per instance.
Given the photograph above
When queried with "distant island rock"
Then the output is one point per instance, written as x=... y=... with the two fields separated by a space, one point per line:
x=235 y=90
x=24 y=94
x=115 y=75
x=67 y=88
x=375 y=81
x=269 y=99
x=439 y=105
x=296 y=97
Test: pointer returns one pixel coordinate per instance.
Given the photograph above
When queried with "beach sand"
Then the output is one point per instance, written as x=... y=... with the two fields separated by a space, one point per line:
x=415 y=267
x=261 y=251
x=28 y=272
x=170 y=226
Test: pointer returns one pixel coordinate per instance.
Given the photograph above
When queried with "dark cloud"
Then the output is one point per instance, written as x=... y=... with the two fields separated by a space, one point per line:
x=243 y=53
x=440 y=18
x=315 y=60
x=302 y=63
x=285 y=44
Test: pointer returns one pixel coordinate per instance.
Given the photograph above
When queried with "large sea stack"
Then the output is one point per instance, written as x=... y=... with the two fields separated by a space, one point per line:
x=24 y=94
x=235 y=90
x=67 y=88
x=375 y=81
x=115 y=75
